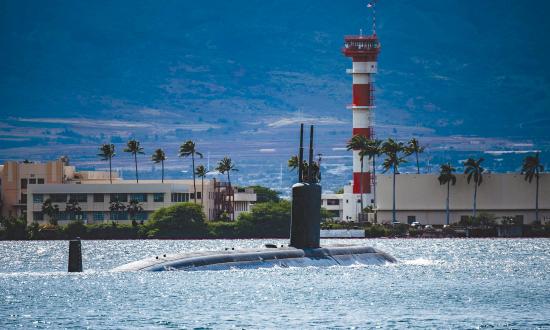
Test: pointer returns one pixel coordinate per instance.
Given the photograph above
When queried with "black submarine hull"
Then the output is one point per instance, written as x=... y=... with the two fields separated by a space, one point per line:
x=262 y=258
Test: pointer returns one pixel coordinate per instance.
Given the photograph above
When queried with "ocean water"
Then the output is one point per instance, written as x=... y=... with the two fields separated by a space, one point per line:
x=437 y=283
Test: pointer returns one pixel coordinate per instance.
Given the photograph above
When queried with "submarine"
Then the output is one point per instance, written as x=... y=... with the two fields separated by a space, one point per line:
x=304 y=249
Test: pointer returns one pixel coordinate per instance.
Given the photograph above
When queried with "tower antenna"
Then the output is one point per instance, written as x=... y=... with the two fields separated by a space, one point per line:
x=372 y=4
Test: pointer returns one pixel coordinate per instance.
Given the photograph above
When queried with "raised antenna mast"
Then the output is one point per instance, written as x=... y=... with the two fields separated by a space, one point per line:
x=372 y=4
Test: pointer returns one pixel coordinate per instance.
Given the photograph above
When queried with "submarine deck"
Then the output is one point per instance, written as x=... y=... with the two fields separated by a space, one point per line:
x=261 y=257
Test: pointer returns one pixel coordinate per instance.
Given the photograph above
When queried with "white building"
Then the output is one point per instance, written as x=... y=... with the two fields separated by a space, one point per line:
x=95 y=199
x=346 y=206
x=420 y=197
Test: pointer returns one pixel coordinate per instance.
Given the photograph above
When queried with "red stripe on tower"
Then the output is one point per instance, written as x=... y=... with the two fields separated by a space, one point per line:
x=357 y=183
x=362 y=95
x=365 y=131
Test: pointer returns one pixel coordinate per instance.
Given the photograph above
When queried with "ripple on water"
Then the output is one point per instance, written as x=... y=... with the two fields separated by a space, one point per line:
x=443 y=283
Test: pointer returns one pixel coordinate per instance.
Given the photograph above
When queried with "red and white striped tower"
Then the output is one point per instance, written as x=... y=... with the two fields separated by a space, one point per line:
x=363 y=51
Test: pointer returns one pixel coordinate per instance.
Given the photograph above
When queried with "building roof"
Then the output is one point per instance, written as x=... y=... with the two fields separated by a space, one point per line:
x=109 y=188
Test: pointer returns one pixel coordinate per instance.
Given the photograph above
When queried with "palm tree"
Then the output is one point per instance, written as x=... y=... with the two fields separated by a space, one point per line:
x=293 y=165
x=473 y=169
x=51 y=210
x=133 y=208
x=413 y=147
x=226 y=166
x=107 y=152
x=134 y=148
x=189 y=149
x=374 y=150
x=393 y=150
x=447 y=177
x=73 y=208
x=201 y=172
x=159 y=157
x=116 y=206
x=532 y=168
x=359 y=143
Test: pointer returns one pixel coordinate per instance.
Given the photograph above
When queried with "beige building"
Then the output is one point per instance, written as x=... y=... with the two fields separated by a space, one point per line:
x=420 y=197
x=26 y=186
x=16 y=177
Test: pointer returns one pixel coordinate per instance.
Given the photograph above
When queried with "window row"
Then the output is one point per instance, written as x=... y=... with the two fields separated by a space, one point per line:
x=95 y=216
x=184 y=197
x=97 y=198
x=25 y=182
x=62 y=215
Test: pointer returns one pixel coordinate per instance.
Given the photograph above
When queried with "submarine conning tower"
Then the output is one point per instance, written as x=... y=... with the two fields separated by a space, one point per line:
x=305 y=224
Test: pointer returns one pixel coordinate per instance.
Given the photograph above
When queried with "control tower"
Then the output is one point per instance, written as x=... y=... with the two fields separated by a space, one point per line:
x=363 y=50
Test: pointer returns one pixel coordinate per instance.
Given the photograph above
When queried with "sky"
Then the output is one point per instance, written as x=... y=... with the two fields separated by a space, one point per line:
x=467 y=78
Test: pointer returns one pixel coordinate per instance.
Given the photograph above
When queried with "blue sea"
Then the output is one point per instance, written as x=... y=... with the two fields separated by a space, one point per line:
x=437 y=283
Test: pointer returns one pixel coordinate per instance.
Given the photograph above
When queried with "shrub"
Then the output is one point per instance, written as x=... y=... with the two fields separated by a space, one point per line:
x=110 y=231
x=14 y=228
x=264 y=194
x=376 y=231
x=46 y=232
x=223 y=229
x=271 y=219
x=182 y=220
x=75 y=229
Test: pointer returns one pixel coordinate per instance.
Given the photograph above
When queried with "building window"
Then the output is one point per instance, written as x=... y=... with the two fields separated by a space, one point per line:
x=138 y=197
x=40 y=181
x=180 y=197
x=199 y=195
x=158 y=197
x=518 y=220
x=62 y=215
x=32 y=181
x=58 y=198
x=119 y=197
x=411 y=219
x=23 y=199
x=99 y=216
x=81 y=198
x=119 y=215
x=37 y=198
x=23 y=183
x=99 y=198
x=38 y=216
x=333 y=202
